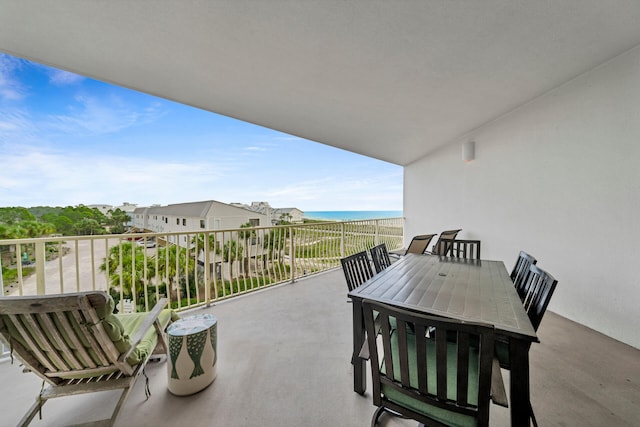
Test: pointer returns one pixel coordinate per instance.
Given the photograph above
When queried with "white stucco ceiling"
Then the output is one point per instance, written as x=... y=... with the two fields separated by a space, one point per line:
x=391 y=79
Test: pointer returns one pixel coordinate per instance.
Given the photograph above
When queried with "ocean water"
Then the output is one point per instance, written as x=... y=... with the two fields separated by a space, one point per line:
x=350 y=215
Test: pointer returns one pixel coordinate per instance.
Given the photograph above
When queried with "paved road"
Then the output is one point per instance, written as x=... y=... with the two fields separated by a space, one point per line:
x=88 y=276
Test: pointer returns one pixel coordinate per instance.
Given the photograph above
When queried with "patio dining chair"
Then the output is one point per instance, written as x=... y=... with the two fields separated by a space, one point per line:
x=357 y=269
x=444 y=377
x=521 y=271
x=380 y=257
x=76 y=345
x=539 y=288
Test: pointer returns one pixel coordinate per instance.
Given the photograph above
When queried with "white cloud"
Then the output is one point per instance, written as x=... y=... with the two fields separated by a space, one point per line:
x=63 y=78
x=36 y=176
x=15 y=126
x=10 y=88
x=92 y=115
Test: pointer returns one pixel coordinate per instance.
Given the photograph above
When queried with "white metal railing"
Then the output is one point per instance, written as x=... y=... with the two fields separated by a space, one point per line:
x=189 y=268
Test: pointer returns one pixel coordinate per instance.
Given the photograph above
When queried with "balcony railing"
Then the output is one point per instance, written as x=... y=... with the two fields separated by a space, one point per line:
x=190 y=268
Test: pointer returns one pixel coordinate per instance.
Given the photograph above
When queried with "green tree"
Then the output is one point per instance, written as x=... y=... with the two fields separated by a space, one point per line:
x=6 y=232
x=64 y=225
x=88 y=227
x=117 y=221
x=198 y=241
x=14 y=215
x=285 y=219
x=275 y=241
x=173 y=265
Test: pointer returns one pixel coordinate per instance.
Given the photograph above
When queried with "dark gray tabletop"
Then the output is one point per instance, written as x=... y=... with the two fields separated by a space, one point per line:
x=470 y=290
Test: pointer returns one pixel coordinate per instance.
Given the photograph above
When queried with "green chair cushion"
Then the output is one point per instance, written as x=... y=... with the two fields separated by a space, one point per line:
x=130 y=323
x=440 y=414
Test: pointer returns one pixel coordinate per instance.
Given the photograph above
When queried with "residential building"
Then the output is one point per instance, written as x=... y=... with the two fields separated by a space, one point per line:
x=194 y=217
x=288 y=214
x=275 y=215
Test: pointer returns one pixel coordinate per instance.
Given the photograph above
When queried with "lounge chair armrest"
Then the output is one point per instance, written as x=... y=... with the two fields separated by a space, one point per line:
x=151 y=318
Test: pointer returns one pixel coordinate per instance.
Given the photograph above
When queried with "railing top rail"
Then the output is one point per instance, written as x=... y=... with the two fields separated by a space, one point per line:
x=50 y=239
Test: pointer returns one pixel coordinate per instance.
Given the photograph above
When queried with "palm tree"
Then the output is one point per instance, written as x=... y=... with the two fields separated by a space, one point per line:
x=198 y=241
x=245 y=235
x=275 y=242
x=173 y=265
x=230 y=253
x=126 y=269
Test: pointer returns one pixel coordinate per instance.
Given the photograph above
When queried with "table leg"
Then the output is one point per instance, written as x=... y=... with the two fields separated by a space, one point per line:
x=519 y=382
x=359 y=365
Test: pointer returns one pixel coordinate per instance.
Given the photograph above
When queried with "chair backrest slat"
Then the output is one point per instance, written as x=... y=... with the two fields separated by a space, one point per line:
x=28 y=329
x=62 y=348
x=99 y=350
x=463 y=368
x=441 y=361
x=86 y=359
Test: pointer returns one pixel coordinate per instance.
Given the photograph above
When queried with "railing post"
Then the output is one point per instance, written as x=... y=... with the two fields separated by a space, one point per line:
x=1 y=289
x=292 y=257
x=39 y=249
x=207 y=268
x=93 y=265
x=342 y=239
x=77 y=255
x=376 y=238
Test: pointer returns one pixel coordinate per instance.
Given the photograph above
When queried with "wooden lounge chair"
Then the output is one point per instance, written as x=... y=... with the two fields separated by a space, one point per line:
x=76 y=345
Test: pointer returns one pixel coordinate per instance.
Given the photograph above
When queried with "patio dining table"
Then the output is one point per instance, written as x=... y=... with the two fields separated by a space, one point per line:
x=472 y=290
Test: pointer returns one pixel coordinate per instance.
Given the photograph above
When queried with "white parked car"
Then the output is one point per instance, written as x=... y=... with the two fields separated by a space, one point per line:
x=148 y=243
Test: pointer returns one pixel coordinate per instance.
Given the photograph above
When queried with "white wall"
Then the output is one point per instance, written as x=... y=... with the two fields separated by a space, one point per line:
x=560 y=179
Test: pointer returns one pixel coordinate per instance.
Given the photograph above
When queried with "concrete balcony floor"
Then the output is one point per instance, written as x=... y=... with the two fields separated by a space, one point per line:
x=283 y=360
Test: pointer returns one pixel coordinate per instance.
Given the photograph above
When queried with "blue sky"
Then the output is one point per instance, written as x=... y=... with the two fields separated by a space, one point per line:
x=67 y=140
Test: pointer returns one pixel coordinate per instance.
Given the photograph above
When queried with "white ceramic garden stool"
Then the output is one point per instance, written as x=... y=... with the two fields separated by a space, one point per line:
x=192 y=354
